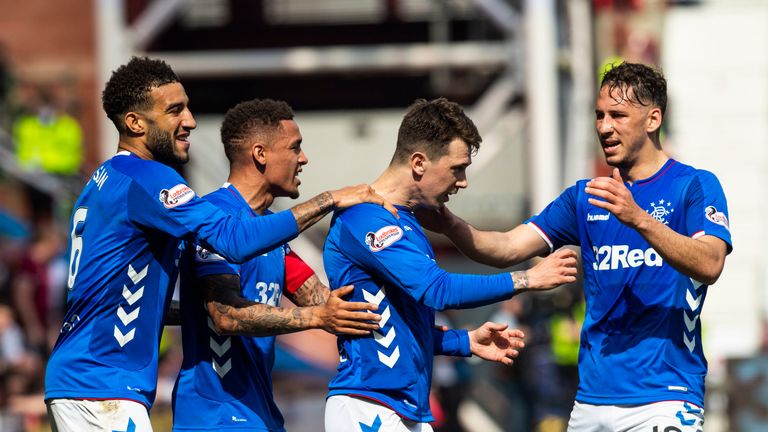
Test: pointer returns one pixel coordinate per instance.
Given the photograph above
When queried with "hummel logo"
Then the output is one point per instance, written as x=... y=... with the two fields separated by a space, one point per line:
x=592 y=218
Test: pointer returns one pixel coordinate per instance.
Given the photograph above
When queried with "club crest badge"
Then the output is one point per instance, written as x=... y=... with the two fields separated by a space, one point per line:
x=661 y=210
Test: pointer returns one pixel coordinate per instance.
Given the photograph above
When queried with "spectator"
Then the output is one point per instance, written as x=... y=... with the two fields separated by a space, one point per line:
x=48 y=139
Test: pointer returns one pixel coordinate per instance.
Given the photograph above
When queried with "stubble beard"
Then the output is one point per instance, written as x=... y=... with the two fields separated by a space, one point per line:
x=161 y=144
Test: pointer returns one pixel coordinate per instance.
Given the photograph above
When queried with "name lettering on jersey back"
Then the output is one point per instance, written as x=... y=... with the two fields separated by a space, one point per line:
x=100 y=176
x=621 y=257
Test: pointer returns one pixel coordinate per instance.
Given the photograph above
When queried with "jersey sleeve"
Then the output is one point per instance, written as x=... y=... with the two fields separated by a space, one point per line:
x=707 y=209
x=296 y=271
x=556 y=223
x=375 y=241
x=451 y=342
x=160 y=199
x=210 y=263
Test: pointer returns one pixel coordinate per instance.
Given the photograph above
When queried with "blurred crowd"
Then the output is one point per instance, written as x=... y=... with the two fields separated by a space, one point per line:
x=41 y=139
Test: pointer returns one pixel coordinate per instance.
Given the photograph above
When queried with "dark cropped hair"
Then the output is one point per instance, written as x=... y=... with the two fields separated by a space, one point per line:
x=648 y=84
x=257 y=116
x=429 y=126
x=129 y=86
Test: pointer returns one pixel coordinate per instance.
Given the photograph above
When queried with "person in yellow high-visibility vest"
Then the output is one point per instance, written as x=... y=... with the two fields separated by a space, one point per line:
x=48 y=140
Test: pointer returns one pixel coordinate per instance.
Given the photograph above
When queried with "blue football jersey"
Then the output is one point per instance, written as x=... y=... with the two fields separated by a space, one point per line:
x=641 y=339
x=391 y=263
x=225 y=382
x=124 y=251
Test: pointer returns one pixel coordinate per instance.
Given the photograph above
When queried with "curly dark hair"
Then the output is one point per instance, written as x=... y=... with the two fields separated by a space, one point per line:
x=648 y=84
x=257 y=116
x=129 y=86
x=429 y=126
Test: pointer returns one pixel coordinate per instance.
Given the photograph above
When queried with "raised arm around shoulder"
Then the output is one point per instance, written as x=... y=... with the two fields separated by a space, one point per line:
x=495 y=248
x=308 y=213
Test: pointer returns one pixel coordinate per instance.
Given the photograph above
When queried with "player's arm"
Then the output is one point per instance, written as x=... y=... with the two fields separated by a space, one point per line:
x=491 y=341
x=234 y=315
x=312 y=292
x=236 y=239
x=701 y=259
x=308 y=213
x=495 y=248
x=304 y=288
x=401 y=263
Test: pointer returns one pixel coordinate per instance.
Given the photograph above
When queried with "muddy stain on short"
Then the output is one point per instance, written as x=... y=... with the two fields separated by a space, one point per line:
x=111 y=411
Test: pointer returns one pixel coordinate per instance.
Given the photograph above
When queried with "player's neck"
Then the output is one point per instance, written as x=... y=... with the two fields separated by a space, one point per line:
x=644 y=167
x=134 y=146
x=396 y=185
x=254 y=190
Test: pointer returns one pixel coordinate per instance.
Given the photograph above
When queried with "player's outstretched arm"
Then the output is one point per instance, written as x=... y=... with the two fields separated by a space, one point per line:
x=308 y=213
x=702 y=258
x=234 y=315
x=495 y=342
x=557 y=269
x=495 y=248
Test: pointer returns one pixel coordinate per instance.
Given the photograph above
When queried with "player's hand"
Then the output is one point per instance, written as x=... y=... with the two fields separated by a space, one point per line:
x=349 y=318
x=437 y=220
x=495 y=342
x=362 y=193
x=557 y=269
x=618 y=199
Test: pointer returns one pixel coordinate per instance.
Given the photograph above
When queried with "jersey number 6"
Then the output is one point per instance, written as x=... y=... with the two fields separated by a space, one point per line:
x=78 y=224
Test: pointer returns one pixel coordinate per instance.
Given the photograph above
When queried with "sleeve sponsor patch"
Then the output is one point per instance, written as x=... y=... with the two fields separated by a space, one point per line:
x=716 y=216
x=204 y=255
x=176 y=195
x=382 y=238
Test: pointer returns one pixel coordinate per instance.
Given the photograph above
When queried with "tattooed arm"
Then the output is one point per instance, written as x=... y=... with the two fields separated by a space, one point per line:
x=308 y=213
x=232 y=314
x=311 y=293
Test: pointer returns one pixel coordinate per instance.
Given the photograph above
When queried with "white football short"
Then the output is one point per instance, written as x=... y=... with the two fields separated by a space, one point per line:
x=111 y=415
x=352 y=414
x=667 y=416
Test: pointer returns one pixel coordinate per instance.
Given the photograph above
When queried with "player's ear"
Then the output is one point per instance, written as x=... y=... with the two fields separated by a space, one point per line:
x=653 y=120
x=418 y=163
x=135 y=123
x=258 y=153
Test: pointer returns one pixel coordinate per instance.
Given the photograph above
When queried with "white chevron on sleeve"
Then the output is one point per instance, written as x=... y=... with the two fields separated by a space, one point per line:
x=690 y=343
x=221 y=370
x=136 y=277
x=692 y=302
x=126 y=318
x=383 y=340
x=390 y=360
x=384 y=317
x=375 y=299
x=132 y=297
x=222 y=349
x=690 y=324
x=123 y=339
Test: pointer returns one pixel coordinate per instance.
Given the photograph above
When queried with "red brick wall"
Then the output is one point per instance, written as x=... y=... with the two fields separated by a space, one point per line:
x=52 y=42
